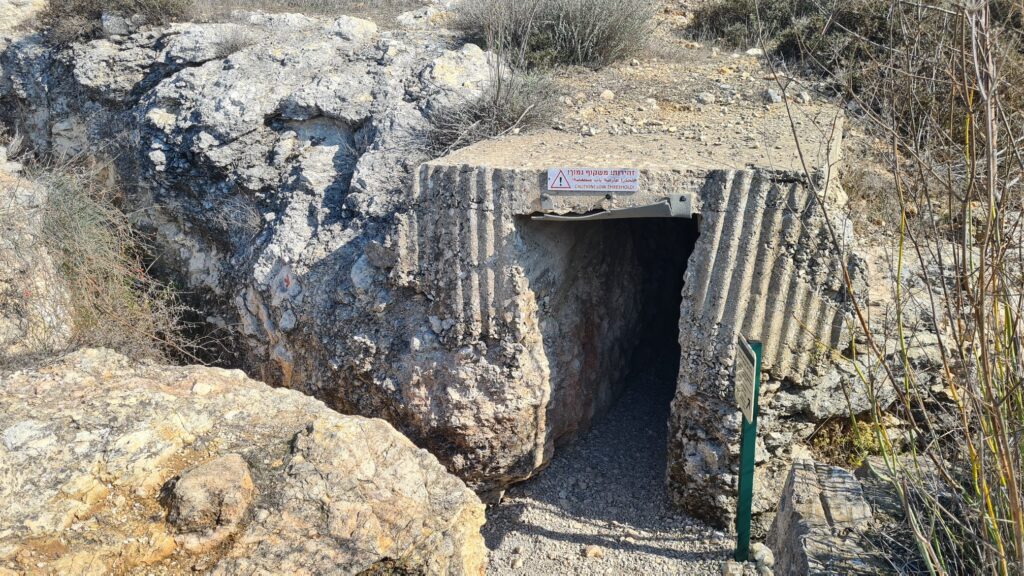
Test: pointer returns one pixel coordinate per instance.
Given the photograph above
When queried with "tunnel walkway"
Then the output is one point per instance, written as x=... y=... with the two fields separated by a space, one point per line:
x=607 y=490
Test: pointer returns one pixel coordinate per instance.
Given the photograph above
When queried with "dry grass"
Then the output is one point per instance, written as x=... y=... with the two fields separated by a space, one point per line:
x=547 y=32
x=99 y=257
x=871 y=48
x=514 y=101
x=237 y=218
x=940 y=85
x=70 y=20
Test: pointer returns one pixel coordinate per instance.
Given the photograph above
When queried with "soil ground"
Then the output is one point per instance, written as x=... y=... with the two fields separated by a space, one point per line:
x=601 y=507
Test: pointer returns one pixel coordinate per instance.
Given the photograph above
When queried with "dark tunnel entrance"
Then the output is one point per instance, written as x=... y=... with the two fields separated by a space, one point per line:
x=608 y=301
x=609 y=294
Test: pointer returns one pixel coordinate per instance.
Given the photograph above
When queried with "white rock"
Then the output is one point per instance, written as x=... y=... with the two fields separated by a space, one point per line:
x=353 y=29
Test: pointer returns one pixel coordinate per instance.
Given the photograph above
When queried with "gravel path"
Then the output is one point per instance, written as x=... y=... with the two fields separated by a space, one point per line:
x=601 y=506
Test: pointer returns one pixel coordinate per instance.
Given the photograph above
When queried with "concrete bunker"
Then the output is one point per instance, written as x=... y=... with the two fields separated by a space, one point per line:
x=496 y=279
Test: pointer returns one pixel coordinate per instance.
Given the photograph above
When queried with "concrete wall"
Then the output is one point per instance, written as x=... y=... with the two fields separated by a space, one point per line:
x=762 y=265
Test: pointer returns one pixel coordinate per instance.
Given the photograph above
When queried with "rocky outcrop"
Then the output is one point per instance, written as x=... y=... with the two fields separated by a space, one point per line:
x=821 y=524
x=15 y=13
x=108 y=466
x=270 y=154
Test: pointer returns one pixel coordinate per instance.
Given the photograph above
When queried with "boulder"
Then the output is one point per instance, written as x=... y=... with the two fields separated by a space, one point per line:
x=821 y=524
x=209 y=501
x=110 y=466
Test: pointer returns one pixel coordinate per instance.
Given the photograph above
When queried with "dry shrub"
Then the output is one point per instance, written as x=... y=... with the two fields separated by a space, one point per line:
x=100 y=256
x=940 y=85
x=237 y=218
x=70 y=20
x=513 y=101
x=863 y=46
x=546 y=32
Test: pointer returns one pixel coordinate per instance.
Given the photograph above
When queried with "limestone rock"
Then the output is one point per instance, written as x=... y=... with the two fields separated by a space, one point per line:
x=820 y=523
x=209 y=501
x=353 y=29
x=292 y=140
x=426 y=17
x=93 y=445
x=732 y=568
x=14 y=13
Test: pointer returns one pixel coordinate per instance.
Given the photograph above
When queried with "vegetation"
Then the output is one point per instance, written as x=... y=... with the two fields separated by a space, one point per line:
x=69 y=20
x=940 y=84
x=99 y=256
x=546 y=32
x=513 y=101
x=869 y=48
x=527 y=37
x=845 y=442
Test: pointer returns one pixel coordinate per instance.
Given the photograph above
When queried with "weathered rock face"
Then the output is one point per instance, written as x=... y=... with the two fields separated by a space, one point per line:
x=270 y=154
x=107 y=466
x=209 y=502
x=34 y=316
x=14 y=13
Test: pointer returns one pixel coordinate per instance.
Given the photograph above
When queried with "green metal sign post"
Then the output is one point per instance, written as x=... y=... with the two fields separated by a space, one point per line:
x=748 y=388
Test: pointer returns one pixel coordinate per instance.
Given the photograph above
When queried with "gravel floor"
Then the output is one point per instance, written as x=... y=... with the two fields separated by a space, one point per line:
x=601 y=506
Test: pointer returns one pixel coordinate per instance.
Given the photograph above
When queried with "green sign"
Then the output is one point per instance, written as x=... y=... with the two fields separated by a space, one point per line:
x=748 y=387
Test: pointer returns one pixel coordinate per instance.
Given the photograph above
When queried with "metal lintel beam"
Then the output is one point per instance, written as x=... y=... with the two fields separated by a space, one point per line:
x=672 y=207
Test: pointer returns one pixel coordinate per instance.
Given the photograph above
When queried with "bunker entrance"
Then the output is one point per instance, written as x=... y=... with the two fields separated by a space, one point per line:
x=609 y=294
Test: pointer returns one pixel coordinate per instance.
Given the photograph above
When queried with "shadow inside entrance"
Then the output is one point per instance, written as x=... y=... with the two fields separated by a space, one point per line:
x=606 y=489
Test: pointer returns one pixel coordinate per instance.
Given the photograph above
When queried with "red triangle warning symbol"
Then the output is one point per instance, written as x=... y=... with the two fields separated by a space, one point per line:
x=560 y=182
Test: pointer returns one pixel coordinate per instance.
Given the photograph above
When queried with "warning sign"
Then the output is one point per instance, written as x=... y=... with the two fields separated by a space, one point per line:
x=593 y=179
x=746 y=379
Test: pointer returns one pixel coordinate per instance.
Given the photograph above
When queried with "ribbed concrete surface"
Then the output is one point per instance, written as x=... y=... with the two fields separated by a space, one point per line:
x=762 y=263
x=762 y=266
x=456 y=248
